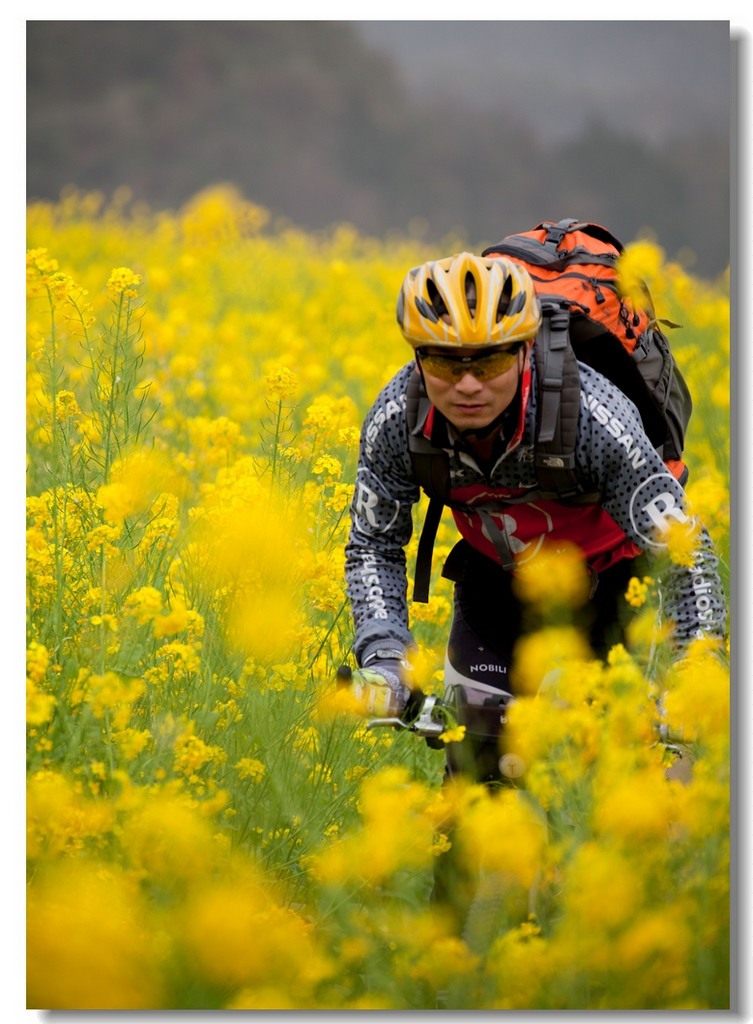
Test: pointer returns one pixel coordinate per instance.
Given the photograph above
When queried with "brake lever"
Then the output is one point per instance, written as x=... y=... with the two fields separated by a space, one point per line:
x=426 y=724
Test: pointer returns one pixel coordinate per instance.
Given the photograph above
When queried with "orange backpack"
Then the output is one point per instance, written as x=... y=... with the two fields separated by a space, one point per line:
x=573 y=264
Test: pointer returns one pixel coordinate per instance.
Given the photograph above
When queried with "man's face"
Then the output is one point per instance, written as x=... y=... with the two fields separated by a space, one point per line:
x=470 y=401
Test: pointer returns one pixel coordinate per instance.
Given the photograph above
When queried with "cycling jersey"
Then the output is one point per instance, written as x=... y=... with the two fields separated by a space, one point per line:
x=639 y=500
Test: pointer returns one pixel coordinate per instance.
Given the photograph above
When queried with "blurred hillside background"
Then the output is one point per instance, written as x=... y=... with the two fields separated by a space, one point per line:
x=474 y=129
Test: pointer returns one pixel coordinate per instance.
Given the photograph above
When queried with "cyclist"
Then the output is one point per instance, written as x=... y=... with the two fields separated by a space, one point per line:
x=472 y=322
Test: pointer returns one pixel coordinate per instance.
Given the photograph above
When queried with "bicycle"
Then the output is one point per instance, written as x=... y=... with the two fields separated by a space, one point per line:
x=483 y=711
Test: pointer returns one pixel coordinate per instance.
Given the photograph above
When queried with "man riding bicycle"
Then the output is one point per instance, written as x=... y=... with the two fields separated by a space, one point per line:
x=472 y=322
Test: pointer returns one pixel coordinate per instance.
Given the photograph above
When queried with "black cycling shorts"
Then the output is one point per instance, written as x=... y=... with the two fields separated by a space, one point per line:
x=488 y=619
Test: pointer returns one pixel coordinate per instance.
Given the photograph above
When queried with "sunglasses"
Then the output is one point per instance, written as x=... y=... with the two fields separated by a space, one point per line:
x=483 y=367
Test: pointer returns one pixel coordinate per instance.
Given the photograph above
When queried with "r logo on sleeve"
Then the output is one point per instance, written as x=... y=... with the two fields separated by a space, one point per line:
x=653 y=509
x=372 y=506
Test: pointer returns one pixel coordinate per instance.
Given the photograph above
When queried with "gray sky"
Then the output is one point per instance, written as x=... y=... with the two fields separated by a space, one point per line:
x=655 y=77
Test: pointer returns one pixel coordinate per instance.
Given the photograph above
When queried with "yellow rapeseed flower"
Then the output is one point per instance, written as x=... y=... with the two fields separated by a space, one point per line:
x=247 y=544
x=545 y=784
x=66 y=406
x=144 y=604
x=702 y=809
x=682 y=541
x=270 y=996
x=37 y=661
x=635 y=806
x=281 y=384
x=214 y=439
x=110 y=690
x=219 y=214
x=523 y=963
x=40 y=266
x=637 y=591
x=325 y=415
x=250 y=768
x=333 y=702
x=123 y=282
x=178 y=659
x=656 y=954
x=535 y=726
x=166 y=835
x=426 y=669
x=455 y=735
x=397 y=832
x=40 y=706
x=555 y=577
x=192 y=753
x=107 y=955
x=59 y=819
x=131 y=742
x=603 y=891
x=440 y=961
x=178 y=619
x=697 y=701
x=640 y=265
x=503 y=833
x=135 y=483
x=326 y=580
x=646 y=631
x=341 y=497
x=539 y=653
x=436 y=610
x=237 y=935
x=329 y=467
x=710 y=500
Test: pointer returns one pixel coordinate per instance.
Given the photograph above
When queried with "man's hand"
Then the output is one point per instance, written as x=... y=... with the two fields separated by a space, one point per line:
x=389 y=661
x=380 y=691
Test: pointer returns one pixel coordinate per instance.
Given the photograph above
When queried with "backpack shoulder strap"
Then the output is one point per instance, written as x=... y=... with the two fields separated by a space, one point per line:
x=558 y=392
x=430 y=465
x=432 y=470
x=422 y=576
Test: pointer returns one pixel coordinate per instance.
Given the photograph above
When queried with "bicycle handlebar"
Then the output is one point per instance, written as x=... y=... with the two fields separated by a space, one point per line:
x=435 y=716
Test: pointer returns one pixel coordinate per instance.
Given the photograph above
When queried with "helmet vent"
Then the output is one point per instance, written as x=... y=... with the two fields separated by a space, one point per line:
x=438 y=304
x=470 y=293
x=517 y=304
x=503 y=306
x=425 y=309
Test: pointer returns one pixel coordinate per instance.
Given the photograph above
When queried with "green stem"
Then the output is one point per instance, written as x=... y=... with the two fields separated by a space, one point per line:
x=327 y=635
x=276 y=441
x=57 y=492
x=102 y=610
x=108 y=744
x=114 y=376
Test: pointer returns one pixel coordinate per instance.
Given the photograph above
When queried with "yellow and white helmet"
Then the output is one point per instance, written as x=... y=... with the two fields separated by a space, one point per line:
x=468 y=300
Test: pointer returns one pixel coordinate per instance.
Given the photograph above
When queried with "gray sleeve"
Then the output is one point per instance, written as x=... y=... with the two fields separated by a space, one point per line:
x=381 y=524
x=645 y=500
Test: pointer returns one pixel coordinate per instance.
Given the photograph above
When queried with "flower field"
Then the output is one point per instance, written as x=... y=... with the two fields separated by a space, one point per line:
x=210 y=825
